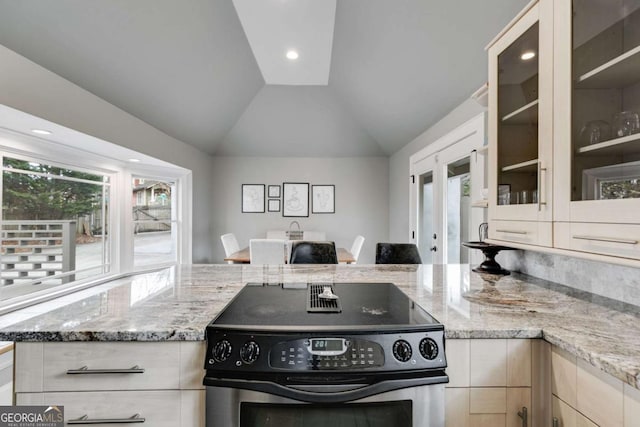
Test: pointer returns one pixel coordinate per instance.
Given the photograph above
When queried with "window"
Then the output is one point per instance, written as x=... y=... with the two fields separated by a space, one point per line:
x=155 y=223
x=54 y=226
x=72 y=218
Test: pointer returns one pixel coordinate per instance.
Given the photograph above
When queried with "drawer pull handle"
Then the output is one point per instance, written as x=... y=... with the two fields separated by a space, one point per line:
x=607 y=239
x=86 y=420
x=86 y=371
x=512 y=231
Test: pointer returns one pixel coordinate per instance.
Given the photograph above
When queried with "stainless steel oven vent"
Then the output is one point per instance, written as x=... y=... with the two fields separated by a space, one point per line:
x=321 y=299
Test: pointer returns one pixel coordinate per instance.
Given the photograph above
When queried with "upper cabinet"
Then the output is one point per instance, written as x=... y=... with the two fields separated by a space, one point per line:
x=520 y=129
x=564 y=129
x=597 y=126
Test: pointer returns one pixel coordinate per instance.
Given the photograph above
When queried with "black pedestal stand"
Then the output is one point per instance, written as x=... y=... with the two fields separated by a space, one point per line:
x=489 y=265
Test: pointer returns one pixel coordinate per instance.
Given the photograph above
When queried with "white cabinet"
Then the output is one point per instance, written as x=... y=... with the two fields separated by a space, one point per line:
x=597 y=126
x=584 y=396
x=520 y=129
x=564 y=130
x=490 y=382
x=160 y=381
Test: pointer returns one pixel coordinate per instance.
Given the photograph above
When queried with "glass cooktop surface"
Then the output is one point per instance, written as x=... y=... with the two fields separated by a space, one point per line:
x=368 y=306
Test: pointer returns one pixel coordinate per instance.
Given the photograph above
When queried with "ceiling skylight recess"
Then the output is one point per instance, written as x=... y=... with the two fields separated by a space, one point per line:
x=274 y=26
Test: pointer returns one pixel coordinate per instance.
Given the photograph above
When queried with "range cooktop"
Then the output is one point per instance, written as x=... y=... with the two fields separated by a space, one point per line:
x=323 y=306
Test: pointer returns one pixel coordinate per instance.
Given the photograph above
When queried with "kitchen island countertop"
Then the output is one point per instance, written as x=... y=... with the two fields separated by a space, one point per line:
x=177 y=303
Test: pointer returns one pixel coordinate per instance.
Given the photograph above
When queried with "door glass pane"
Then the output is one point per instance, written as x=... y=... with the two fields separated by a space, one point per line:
x=458 y=211
x=606 y=100
x=378 y=414
x=154 y=220
x=54 y=226
x=426 y=215
x=518 y=120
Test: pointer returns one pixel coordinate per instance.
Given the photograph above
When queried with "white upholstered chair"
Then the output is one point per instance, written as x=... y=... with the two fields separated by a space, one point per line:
x=230 y=244
x=314 y=236
x=267 y=251
x=277 y=234
x=357 y=247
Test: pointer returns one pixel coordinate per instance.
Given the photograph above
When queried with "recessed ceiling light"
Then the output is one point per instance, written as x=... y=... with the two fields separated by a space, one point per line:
x=528 y=55
x=134 y=160
x=292 y=55
x=41 y=131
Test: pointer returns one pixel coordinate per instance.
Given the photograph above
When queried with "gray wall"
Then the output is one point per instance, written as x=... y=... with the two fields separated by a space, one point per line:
x=399 y=167
x=28 y=87
x=362 y=198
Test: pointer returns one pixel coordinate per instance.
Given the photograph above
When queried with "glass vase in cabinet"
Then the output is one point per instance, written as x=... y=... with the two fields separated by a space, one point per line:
x=520 y=130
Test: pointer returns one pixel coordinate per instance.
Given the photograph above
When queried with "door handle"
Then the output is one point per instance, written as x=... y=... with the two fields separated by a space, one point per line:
x=524 y=416
x=434 y=249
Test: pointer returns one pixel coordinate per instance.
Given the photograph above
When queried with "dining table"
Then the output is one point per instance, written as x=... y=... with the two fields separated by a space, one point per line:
x=242 y=256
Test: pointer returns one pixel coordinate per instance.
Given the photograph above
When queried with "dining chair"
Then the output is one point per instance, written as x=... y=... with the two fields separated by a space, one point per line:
x=230 y=244
x=277 y=234
x=304 y=252
x=314 y=236
x=397 y=253
x=357 y=247
x=267 y=251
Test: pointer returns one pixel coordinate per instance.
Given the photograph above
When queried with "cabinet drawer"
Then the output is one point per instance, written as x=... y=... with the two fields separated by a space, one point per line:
x=77 y=366
x=158 y=408
x=524 y=232
x=620 y=240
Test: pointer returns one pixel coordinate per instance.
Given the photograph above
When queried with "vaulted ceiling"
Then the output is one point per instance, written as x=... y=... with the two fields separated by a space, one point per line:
x=186 y=68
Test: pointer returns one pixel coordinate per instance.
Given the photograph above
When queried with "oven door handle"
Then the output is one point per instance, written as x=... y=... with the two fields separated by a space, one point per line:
x=332 y=394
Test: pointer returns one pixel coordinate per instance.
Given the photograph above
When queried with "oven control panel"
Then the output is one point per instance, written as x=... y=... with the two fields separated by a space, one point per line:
x=230 y=351
x=326 y=353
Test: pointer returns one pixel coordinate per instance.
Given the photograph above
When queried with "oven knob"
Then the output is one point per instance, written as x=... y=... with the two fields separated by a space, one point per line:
x=222 y=351
x=402 y=350
x=249 y=352
x=428 y=348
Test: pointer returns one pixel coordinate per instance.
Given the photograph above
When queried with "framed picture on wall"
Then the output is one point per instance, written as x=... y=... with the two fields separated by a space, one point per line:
x=295 y=199
x=273 y=205
x=252 y=198
x=323 y=199
x=274 y=192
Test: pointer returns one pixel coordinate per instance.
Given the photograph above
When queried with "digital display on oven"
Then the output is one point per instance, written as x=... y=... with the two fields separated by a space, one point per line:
x=327 y=345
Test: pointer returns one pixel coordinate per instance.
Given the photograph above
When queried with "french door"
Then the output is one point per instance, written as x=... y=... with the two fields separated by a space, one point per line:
x=447 y=178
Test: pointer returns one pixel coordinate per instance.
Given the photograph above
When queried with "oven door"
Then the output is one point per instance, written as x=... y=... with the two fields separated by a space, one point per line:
x=406 y=407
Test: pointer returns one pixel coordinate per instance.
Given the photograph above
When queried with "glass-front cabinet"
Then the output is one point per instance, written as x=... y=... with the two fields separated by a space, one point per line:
x=597 y=126
x=520 y=130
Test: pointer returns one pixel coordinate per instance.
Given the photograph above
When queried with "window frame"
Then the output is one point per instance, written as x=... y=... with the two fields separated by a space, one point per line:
x=121 y=248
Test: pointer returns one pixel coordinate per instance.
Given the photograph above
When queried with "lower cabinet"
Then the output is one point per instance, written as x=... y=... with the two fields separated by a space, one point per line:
x=105 y=383
x=493 y=380
x=490 y=383
x=584 y=396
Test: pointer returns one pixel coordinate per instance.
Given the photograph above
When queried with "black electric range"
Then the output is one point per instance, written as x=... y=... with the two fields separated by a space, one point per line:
x=274 y=338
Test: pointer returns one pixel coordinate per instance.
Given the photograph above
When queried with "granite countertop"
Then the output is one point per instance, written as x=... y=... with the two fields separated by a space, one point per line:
x=177 y=304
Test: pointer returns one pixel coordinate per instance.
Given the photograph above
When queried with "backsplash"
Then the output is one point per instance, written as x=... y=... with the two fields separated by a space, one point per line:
x=609 y=280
